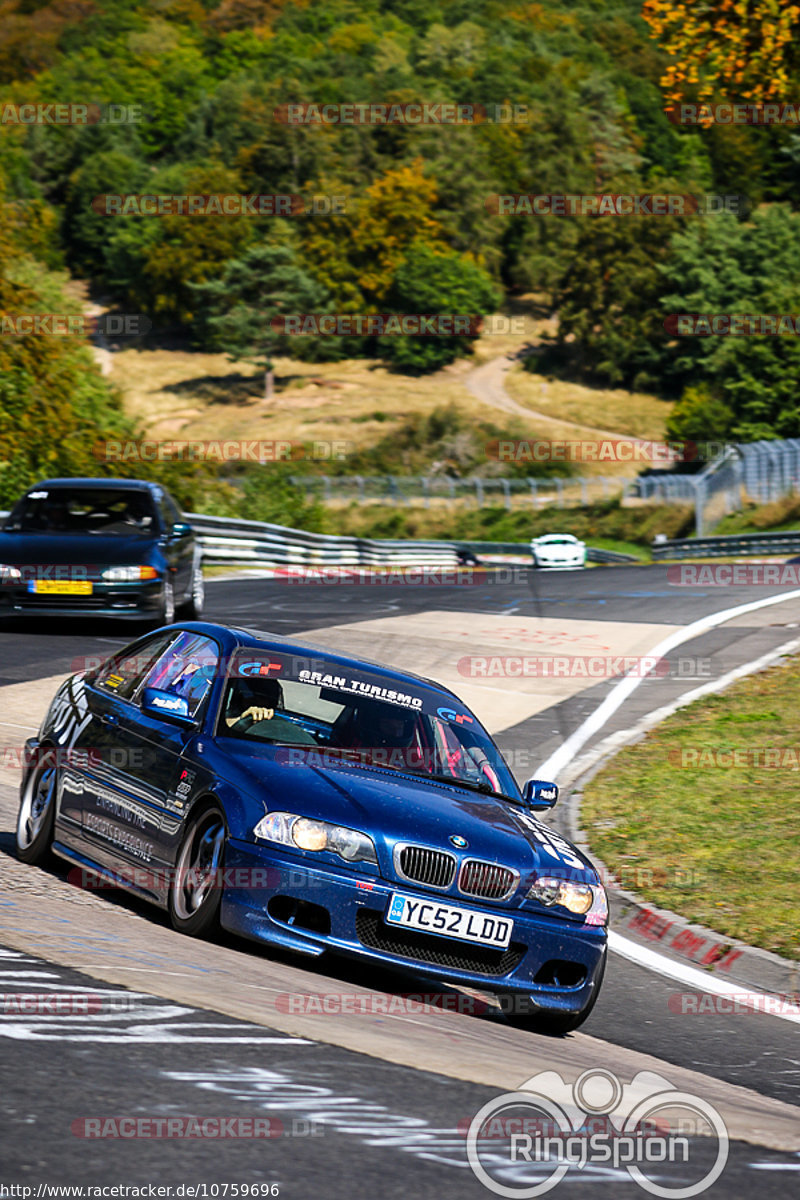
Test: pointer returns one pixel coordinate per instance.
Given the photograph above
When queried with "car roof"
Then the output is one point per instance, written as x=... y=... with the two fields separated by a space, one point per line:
x=106 y=483
x=274 y=641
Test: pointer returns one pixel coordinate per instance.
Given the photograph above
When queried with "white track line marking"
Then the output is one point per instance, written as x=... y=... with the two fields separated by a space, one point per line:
x=557 y=761
x=698 y=980
x=623 y=737
x=645 y=957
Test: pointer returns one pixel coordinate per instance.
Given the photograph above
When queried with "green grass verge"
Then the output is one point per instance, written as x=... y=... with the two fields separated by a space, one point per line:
x=605 y=524
x=716 y=843
x=777 y=517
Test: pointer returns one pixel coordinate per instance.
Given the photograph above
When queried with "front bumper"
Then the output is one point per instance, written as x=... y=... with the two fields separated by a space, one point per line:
x=134 y=600
x=272 y=897
x=578 y=560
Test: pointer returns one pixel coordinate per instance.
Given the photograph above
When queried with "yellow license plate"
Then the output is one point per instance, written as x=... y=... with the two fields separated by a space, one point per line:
x=60 y=587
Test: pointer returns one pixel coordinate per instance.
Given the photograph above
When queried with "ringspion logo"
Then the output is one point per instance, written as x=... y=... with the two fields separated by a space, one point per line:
x=552 y=1126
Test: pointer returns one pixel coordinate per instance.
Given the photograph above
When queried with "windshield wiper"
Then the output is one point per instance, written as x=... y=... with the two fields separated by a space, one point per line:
x=473 y=784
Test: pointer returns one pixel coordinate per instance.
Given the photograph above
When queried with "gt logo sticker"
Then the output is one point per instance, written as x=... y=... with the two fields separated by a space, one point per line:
x=449 y=714
x=259 y=668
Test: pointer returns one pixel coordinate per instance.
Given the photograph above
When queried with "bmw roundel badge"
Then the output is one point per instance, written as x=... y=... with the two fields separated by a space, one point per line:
x=458 y=841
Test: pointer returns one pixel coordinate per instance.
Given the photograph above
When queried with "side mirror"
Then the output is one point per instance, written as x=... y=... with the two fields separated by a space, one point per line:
x=166 y=707
x=180 y=529
x=539 y=794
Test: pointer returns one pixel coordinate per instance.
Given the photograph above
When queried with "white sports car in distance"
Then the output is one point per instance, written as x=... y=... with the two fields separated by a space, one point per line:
x=558 y=550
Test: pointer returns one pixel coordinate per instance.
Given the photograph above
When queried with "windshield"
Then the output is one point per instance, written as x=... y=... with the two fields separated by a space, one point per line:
x=84 y=511
x=327 y=713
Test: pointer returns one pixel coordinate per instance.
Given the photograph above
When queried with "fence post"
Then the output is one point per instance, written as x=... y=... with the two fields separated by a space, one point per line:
x=560 y=490
x=326 y=484
x=534 y=493
x=479 y=492
x=507 y=493
x=584 y=490
x=427 y=500
x=699 y=505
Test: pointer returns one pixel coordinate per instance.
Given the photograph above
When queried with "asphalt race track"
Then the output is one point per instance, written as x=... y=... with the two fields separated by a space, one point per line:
x=373 y=1104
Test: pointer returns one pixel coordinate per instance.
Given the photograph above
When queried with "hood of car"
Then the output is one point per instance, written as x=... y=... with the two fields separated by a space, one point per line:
x=27 y=549
x=395 y=808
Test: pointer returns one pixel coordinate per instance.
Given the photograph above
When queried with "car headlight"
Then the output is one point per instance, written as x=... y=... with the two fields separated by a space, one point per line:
x=128 y=574
x=9 y=574
x=304 y=833
x=583 y=899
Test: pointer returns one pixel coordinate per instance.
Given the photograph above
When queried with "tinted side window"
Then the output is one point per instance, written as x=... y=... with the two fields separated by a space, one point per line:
x=123 y=672
x=187 y=668
x=172 y=507
x=167 y=509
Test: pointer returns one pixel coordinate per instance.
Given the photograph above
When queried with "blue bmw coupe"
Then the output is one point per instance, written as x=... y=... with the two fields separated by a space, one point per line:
x=317 y=803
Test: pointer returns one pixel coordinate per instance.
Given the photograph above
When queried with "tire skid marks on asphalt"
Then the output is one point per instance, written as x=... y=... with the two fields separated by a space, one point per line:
x=42 y=1005
x=301 y=1094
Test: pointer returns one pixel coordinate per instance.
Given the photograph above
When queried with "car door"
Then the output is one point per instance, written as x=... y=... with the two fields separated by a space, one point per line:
x=110 y=823
x=164 y=715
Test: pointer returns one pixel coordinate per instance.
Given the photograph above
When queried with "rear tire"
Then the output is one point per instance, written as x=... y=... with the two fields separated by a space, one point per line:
x=165 y=614
x=195 y=892
x=37 y=808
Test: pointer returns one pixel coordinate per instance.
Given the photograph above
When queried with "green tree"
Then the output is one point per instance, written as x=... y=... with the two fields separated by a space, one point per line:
x=153 y=261
x=237 y=311
x=725 y=266
x=427 y=282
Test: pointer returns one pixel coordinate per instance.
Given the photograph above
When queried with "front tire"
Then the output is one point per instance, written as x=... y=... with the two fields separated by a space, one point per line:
x=37 y=809
x=195 y=892
x=193 y=608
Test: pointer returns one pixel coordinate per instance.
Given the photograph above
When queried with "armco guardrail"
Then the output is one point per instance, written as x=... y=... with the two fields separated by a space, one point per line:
x=227 y=540
x=729 y=545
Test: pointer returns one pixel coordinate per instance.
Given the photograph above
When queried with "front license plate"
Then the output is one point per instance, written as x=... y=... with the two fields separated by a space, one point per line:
x=448 y=921
x=59 y=587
